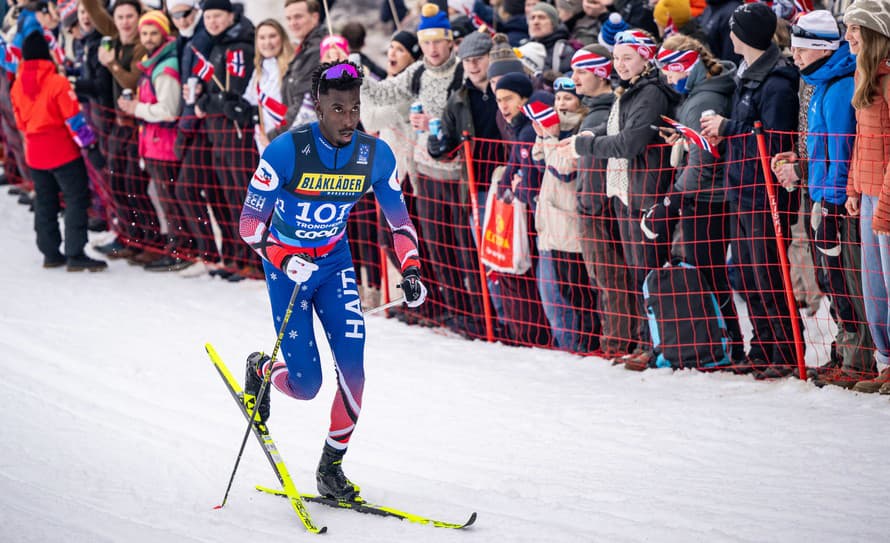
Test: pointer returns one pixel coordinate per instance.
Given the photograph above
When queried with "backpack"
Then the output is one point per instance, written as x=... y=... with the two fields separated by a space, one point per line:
x=687 y=326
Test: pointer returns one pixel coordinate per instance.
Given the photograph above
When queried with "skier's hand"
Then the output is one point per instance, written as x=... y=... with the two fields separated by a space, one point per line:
x=415 y=291
x=298 y=269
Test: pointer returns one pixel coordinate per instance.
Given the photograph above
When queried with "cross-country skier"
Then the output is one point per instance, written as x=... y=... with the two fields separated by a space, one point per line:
x=307 y=181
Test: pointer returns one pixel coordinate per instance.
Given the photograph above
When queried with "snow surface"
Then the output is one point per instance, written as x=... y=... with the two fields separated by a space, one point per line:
x=117 y=428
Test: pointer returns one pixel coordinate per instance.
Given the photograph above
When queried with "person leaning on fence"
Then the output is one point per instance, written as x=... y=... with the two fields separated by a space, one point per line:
x=825 y=63
x=304 y=19
x=567 y=295
x=699 y=191
x=767 y=92
x=55 y=130
x=522 y=311
x=136 y=217
x=94 y=83
x=229 y=124
x=868 y=187
x=638 y=173
x=598 y=230
x=157 y=108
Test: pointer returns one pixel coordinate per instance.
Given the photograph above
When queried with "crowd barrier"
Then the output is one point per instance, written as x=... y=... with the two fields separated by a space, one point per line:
x=791 y=301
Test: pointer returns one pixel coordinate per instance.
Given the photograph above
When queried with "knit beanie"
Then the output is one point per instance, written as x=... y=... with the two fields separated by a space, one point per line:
x=613 y=25
x=754 y=24
x=532 y=55
x=595 y=58
x=333 y=40
x=872 y=14
x=640 y=41
x=516 y=82
x=502 y=59
x=816 y=30
x=434 y=24
x=474 y=45
x=34 y=47
x=513 y=7
x=549 y=11
x=158 y=20
x=573 y=7
x=194 y=4
x=678 y=11
x=461 y=27
x=409 y=41
x=223 y=5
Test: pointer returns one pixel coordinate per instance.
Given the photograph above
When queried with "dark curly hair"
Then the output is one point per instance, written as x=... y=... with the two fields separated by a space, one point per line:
x=343 y=83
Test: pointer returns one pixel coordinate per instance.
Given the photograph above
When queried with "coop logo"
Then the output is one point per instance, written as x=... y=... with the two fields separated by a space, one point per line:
x=264 y=178
x=327 y=184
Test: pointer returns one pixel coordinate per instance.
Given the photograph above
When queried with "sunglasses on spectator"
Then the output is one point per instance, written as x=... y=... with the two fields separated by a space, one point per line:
x=340 y=71
x=563 y=84
x=182 y=14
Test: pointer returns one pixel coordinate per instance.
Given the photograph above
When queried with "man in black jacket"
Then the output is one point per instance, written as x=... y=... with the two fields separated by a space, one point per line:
x=304 y=19
x=767 y=91
x=714 y=22
x=229 y=124
x=599 y=234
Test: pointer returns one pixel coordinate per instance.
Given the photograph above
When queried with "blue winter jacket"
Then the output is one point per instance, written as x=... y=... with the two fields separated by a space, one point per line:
x=831 y=128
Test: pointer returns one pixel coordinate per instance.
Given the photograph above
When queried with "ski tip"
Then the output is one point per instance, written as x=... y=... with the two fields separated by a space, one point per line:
x=215 y=507
x=471 y=520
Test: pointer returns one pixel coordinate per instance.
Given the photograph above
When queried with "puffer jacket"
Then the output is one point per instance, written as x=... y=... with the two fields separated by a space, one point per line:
x=649 y=171
x=830 y=116
x=702 y=176
x=869 y=173
x=556 y=220
x=591 y=171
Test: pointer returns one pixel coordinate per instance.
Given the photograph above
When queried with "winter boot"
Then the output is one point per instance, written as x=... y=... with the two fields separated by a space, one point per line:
x=82 y=262
x=253 y=380
x=330 y=478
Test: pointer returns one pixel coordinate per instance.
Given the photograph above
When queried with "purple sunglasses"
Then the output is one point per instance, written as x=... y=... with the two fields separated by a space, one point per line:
x=340 y=70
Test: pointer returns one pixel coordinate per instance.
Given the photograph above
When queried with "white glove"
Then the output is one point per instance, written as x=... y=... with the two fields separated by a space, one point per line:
x=298 y=269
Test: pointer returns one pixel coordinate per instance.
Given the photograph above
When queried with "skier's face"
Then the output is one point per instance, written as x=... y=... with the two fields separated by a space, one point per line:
x=339 y=113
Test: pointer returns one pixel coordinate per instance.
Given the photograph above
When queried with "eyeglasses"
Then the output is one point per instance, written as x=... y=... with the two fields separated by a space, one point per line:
x=182 y=14
x=563 y=84
x=340 y=70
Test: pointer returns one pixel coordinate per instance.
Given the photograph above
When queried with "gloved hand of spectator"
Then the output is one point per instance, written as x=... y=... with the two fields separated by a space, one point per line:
x=411 y=285
x=436 y=147
x=298 y=268
x=661 y=214
x=237 y=109
x=96 y=158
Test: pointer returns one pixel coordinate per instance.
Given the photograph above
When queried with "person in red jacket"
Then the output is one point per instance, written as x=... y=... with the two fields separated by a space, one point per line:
x=48 y=114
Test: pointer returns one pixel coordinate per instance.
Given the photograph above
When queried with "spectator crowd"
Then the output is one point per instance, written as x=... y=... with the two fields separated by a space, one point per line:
x=605 y=139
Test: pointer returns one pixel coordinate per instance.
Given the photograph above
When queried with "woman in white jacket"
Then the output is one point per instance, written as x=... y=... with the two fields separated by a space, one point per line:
x=273 y=53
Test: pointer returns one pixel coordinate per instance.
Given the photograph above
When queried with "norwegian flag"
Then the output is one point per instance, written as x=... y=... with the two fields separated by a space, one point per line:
x=541 y=112
x=54 y=47
x=669 y=28
x=692 y=135
x=235 y=63
x=202 y=68
x=272 y=107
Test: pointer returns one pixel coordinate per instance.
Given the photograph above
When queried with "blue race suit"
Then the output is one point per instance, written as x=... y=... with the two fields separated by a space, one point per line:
x=308 y=186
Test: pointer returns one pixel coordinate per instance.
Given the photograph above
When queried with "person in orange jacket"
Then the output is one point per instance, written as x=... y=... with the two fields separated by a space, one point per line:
x=49 y=116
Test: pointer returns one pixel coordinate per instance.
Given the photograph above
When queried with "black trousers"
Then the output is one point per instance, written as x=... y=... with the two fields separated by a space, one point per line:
x=71 y=180
x=137 y=218
x=194 y=179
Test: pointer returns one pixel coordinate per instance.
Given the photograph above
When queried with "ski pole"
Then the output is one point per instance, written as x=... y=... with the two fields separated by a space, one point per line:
x=261 y=393
x=385 y=306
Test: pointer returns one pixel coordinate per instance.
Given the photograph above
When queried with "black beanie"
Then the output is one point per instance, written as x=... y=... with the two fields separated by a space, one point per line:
x=408 y=41
x=754 y=24
x=514 y=7
x=34 y=47
x=224 y=5
x=517 y=82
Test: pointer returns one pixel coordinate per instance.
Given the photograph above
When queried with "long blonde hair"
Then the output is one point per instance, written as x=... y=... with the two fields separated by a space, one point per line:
x=284 y=57
x=682 y=42
x=874 y=49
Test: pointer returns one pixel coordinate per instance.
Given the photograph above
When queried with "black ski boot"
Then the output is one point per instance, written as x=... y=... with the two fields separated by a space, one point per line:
x=330 y=478
x=253 y=380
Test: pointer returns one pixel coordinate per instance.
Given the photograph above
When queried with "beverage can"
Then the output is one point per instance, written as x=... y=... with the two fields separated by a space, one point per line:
x=708 y=113
x=191 y=85
x=435 y=127
x=106 y=42
x=417 y=107
x=127 y=94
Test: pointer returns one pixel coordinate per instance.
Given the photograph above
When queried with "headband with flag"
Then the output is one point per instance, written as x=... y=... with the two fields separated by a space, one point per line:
x=669 y=28
x=202 y=68
x=692 y=136
x=588 y=60
x=541 y=112
x=639 y=41
x=676 y=61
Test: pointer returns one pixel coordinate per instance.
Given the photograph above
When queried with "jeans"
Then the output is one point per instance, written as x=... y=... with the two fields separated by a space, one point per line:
x=876 y=280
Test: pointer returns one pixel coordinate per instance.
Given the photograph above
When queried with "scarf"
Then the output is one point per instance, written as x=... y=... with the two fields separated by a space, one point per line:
x=616 y=168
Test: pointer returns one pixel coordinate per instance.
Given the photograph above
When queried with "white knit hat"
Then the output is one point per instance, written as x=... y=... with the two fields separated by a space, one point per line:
x=532 y=54
x=816 y=30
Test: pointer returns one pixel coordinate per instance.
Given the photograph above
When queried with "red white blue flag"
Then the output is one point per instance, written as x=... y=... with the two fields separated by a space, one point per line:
x=271 y=107
x=541 y=112
x=692 y=136
x=235 y=63
x=202 y=68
